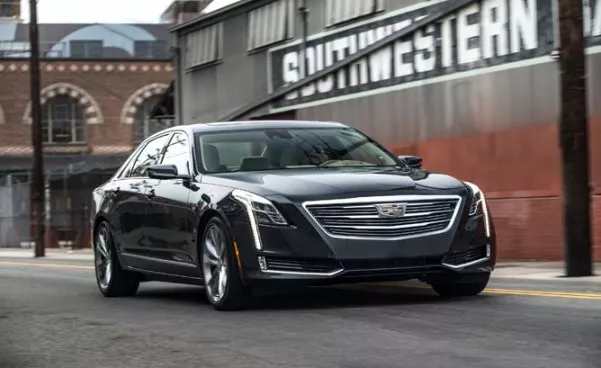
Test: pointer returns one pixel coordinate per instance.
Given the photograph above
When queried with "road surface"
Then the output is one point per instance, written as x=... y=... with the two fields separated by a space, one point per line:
x=52 y=315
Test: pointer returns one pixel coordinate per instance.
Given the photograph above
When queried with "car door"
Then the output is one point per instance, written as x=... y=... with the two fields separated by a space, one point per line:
x=126 y=209
x=134 y=205
x=170 y=236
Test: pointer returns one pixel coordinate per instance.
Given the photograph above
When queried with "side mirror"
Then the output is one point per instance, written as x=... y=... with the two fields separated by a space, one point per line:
x=162 y=172
x=415 y=162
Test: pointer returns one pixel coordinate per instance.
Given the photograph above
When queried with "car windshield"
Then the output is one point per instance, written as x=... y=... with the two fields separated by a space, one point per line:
x=289 y=148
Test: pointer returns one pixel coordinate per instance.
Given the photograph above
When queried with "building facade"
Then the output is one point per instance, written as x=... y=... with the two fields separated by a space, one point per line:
x=475 y=94
x=99 y=83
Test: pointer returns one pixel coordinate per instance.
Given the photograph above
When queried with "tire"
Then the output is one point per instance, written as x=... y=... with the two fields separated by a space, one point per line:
x=118 y=283
x=456 y=289
x=218 y=266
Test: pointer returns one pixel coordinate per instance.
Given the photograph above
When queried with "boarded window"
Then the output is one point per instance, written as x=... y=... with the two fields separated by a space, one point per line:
x=270 y=24
x=204 y=46
x=338 y=11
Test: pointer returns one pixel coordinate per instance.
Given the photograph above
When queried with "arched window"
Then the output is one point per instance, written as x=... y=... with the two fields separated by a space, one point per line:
x=63 y=120
x=144 y=126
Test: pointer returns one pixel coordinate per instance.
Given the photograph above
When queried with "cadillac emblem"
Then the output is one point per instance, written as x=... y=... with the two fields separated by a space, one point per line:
x=394 y=210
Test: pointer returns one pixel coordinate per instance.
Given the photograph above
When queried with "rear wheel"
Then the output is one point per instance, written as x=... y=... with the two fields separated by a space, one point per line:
x=461 y=288
x=112 y=280
x=223 y=284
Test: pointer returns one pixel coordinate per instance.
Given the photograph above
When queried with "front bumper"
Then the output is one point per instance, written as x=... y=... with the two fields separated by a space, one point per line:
x=305 y=253
x=330 y=271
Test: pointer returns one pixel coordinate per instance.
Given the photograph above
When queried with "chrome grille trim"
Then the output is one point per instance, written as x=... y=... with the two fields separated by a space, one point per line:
x=427 y=206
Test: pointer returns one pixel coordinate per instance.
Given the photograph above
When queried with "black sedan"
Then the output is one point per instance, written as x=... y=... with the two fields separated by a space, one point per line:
x=247 y=207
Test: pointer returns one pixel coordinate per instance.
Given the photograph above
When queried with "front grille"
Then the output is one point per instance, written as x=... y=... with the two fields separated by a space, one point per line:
x=362 y=219
x=301 y=265
x=468 y=256
x=392 y=264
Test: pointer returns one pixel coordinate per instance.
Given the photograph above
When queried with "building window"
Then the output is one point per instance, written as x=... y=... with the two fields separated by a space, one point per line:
x=270 y=24
x=63 y=121
x=86 y=49
x=150 y=49
x=6 y=10
x=203 y=46
x=339 y=11
x=144 y=127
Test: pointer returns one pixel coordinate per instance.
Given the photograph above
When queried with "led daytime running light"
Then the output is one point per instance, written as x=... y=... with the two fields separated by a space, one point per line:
x=249 y=200
x=482 y=200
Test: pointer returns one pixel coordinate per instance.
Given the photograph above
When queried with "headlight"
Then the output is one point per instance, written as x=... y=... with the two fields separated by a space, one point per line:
x=478 y=205
x=477 y=200
x=260 y=211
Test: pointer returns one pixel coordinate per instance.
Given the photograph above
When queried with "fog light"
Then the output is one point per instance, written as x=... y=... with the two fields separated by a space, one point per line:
x=487 y=250
x=262 y=263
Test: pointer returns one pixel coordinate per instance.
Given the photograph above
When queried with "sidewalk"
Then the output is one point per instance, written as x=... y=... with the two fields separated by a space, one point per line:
x=545 y=271
x=56 y=254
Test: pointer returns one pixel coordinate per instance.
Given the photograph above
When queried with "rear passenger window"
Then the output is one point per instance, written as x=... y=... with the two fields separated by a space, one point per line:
x=148 y=156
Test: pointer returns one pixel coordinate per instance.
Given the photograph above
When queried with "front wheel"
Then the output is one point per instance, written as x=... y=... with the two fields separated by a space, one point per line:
x=450 y=289
x=112 y=280
x=223 y=285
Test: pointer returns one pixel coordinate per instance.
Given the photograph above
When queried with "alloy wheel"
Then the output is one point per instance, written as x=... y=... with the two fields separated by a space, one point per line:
x=214 y=263
x=104 y=261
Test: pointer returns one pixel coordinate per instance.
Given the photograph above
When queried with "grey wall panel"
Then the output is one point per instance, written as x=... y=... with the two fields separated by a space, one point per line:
x=488 y=102
x=199 y=96
x=594 y=85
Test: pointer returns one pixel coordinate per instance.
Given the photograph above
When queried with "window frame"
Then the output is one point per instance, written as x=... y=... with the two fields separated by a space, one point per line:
x=149 y=47
x=9 y=7
x=48 y=123
x=255 y=17
x=379 y=7
x=86 y=44
x=193 y=58
x=146 y=131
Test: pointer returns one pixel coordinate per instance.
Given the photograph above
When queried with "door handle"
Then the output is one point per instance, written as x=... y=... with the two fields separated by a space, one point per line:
x=150 y=193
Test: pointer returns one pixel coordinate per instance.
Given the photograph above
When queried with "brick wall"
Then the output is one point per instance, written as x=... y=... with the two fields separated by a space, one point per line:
x=520 y=172
x=110 y=84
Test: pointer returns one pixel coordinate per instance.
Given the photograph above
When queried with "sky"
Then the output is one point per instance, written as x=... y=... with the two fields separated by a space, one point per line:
x=104 y=11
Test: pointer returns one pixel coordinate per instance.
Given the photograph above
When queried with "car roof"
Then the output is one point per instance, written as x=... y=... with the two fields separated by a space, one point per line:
x=246 y=125
x=262 y=124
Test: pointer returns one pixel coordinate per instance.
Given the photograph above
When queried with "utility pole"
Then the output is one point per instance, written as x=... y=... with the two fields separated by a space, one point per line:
x=573 y=137
x=37 y=182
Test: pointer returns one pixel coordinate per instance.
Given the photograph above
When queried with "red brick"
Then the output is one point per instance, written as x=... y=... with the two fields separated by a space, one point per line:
x=111 y=87
x=520 y=171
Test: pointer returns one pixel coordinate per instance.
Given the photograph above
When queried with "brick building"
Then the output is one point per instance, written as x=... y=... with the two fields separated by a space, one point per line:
x=474 y=93
x=99 y=82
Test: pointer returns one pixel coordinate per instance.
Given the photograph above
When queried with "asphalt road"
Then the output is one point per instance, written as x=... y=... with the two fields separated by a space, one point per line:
x=53 y=316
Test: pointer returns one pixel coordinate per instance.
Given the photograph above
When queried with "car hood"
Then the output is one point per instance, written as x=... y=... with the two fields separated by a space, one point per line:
x=332 y=183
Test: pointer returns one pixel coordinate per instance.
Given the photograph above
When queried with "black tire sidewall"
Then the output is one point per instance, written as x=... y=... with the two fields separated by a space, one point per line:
x=121 y=283
x=109 y=241
x=233 y=275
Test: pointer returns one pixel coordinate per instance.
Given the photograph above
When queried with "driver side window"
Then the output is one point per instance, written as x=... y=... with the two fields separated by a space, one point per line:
x=150 y=155
x=177 y=153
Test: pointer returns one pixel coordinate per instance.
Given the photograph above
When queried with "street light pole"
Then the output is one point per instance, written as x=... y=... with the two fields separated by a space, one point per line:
x=573 y=137
x=37 y=182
